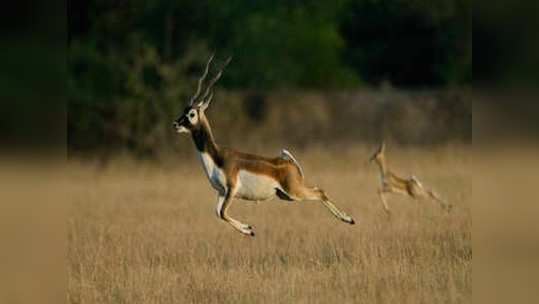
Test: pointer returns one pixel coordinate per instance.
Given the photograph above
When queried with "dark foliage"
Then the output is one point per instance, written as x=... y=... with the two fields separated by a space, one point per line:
x=132 y=63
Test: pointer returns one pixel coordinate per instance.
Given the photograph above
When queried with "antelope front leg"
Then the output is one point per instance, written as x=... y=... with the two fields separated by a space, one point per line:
x=222 y=205
x=381 y=193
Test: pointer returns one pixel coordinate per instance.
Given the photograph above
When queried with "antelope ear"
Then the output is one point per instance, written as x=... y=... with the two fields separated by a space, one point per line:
x=203 y=105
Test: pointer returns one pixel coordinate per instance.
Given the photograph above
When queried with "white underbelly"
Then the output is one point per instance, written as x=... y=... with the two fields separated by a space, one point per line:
x=255 y=187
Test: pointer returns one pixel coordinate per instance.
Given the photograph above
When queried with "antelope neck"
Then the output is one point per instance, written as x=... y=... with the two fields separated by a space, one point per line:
x=204 y=142
x=382 y=166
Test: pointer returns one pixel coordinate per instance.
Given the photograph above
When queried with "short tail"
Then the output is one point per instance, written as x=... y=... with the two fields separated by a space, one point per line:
x=288 y=156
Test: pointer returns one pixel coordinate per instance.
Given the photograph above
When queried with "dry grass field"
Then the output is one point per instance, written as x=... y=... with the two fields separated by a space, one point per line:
x=142 y=232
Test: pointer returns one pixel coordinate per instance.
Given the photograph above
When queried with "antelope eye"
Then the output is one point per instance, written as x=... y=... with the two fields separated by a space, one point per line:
x=191 y=114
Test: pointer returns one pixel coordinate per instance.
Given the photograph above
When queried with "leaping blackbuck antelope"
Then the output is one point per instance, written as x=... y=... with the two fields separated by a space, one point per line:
x=234 y=174
x=391 y=183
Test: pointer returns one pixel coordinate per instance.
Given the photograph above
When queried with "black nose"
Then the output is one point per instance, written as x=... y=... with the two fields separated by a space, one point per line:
x=175 y=125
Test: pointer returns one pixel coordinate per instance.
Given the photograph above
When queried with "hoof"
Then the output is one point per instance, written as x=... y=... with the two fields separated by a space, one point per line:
x=349 y=221
x=248 y=232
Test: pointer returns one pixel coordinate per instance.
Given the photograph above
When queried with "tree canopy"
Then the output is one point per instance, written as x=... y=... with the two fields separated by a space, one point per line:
x=132 y=63
x=298 y=43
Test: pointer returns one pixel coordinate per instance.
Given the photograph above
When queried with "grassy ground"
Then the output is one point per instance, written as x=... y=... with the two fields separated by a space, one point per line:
x=148 y=233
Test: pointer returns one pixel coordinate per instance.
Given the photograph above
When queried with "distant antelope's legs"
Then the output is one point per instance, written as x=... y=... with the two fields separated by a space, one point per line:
x=435 y=197
x=381 y=193
x=222 y=206
x=317 y=194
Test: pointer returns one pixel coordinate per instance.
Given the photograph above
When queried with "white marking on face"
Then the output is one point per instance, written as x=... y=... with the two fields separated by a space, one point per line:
x=215 y=175
x=193 y=116
x=252 y=186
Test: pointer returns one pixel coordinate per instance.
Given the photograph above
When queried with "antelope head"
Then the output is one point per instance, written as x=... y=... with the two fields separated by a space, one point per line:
x=193 y=114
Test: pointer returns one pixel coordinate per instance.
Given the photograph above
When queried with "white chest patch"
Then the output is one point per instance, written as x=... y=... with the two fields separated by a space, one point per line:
x=215 y=175
x=255 y=187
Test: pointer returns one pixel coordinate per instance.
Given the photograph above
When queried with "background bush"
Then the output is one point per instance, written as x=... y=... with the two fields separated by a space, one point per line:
x=304 y=69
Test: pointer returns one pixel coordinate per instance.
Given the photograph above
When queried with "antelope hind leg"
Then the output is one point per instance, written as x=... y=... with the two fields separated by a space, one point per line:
x=316 y=194
x=436 y=197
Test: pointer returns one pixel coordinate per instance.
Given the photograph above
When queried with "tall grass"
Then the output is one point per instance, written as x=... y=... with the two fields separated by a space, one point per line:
x=148 y=233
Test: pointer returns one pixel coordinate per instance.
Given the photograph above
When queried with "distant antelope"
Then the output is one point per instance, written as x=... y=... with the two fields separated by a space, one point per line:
x=391 y=183
x=234 y=174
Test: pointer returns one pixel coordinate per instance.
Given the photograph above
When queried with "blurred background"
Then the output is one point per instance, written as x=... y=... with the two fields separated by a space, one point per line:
x=306 y=75
x=327 y=80
x=303 y=72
